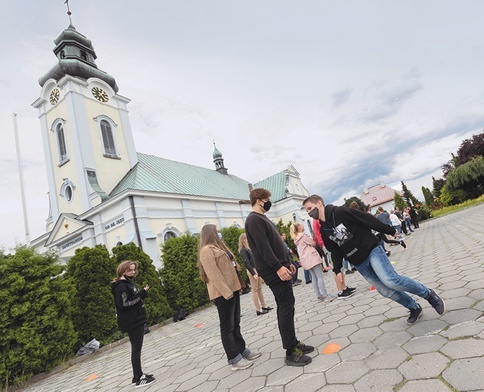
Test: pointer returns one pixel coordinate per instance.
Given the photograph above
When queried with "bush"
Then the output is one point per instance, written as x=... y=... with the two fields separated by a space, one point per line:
x=35 y=317
x=231 y=236
x=180 y=276
x=91 y=270
x=423 y=212
x=157 y=307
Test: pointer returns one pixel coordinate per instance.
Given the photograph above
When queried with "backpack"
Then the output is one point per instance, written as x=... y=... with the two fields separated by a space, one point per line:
x=181 y=314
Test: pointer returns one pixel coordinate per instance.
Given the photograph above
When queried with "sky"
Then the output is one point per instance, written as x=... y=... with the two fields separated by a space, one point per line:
x=351 y=93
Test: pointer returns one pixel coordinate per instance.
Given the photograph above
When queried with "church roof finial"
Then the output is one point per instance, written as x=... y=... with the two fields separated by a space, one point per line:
x=69 y=13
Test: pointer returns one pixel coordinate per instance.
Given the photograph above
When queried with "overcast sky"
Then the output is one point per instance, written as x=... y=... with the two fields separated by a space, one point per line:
x=351 y=93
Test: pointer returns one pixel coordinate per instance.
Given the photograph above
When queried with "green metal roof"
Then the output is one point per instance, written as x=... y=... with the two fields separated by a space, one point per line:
x=276 y=184
x=157 y=174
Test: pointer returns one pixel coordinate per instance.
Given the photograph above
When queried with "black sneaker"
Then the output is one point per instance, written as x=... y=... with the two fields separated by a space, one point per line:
x=437 y=303
x=144 y=381
x=414 y=315
x=349 y=272
x=297 y=358
x=133 y=381
x=402 y=242
x=345 y=293
x=350 y=289
x=304 y=348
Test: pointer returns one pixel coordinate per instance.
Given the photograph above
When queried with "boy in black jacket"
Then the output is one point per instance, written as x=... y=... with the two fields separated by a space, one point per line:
x=347 y=234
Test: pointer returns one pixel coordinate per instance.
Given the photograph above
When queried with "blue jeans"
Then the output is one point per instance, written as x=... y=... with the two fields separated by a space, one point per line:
x=378 y=271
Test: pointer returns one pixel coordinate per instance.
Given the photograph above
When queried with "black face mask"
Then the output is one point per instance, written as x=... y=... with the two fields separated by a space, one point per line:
x=314 y=213
x=267 y=205
x=129 y=277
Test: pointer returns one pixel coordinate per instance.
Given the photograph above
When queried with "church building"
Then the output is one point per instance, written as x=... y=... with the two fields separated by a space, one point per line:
x=102 y=191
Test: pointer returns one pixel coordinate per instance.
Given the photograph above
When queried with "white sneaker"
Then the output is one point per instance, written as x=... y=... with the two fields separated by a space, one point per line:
x=242 y=364
x=253 y=355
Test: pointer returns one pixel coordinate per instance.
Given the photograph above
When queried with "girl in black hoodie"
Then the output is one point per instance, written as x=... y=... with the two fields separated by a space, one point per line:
x=131 y=315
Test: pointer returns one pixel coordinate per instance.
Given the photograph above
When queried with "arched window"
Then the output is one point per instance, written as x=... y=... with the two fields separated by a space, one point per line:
x=61 y=143
x=168 y=235
x=108 y=139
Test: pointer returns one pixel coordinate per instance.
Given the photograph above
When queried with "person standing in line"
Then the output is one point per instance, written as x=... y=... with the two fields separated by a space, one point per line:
x=295 y=280
x=218 y=269
x=347 y=233
x=310 y=260
x=343 y=290
x=413 y=216
x=255 y=279
x=406 y=217
x=396 y=222
x=274 y=266
x=131 y=316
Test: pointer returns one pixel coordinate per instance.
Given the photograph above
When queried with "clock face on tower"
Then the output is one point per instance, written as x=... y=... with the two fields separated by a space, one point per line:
x=100 y=94
x=54 y=96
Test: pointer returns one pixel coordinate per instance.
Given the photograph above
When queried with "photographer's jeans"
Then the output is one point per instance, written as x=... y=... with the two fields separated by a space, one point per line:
x=378 y=271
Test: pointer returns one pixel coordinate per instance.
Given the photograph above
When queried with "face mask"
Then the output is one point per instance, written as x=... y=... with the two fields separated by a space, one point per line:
x=314 y=213
x=128 y=277
x=267 y=205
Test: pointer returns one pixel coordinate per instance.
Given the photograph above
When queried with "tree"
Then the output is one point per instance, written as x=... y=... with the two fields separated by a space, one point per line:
x=361 y=205
x=91 y=271
x=399 y=202
x=450 y=165
x=437 y=185
x=180 y=276
x=231 y=236
x=471 y=148
x=408 y=196
x=35 y=315
x=429 y=199
x=157 y=307
x=468 y=178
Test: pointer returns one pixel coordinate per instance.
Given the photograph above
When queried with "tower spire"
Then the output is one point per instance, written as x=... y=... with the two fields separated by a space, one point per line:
x=218 y=160
x=69 y=12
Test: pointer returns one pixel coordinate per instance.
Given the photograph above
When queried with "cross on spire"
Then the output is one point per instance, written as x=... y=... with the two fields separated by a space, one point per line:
x=68 y=9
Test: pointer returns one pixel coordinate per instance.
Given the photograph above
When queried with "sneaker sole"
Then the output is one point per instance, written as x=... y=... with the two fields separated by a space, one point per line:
x=242 y=367
x=145 y=384
x=347 y=296
x=254 y=357
x=290 y=363
x=443 y=311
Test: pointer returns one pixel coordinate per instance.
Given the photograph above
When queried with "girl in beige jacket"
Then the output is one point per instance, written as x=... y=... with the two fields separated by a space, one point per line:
x=219 y=270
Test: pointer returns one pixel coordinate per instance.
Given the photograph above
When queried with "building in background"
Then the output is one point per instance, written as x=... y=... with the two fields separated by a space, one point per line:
x=102 y=191
x=379 y=195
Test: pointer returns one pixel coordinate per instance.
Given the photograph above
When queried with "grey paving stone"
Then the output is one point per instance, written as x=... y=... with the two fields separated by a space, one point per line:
x=346 y=372
x=357 y=351
x=460 y=316
x=466 y=374
x=310 y=382
x=378 y=380
x=425 y=385
x=422 y=366
x=424 y=344
x=464 y=348
x=463 y=330
x=424 y=327
x=392 y=339
x=387 y=358
x=338 y=388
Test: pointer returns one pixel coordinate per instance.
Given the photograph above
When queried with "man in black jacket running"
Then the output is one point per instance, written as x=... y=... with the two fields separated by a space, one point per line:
x=347 y=234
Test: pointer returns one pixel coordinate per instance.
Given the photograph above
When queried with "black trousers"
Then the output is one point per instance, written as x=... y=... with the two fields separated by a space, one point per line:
x=136 y=336
x=284 y=296
x=229 y=315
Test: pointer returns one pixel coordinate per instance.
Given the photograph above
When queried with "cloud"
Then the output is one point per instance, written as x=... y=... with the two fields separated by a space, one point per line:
x=341 y=97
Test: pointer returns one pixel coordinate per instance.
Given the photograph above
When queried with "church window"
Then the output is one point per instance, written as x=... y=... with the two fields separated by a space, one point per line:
x=108 y=139
x=83 y=55
x=68 y=193
x=61 y=143
x=168 y=235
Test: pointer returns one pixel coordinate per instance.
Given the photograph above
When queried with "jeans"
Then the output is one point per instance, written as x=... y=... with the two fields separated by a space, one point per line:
x=347 y=265
x=232 y=340
x=407 y=221
x=398 y=229
x=136 y=336
x=378 y=271
x=307 y=276
x=318 y=280
x=284 y=296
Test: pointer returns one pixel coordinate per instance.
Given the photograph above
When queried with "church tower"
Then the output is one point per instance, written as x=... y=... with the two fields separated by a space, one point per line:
x=218 y=160
x=86 y=132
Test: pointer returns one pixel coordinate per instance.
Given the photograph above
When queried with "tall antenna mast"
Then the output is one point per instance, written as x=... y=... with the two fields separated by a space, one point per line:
x=21 y=177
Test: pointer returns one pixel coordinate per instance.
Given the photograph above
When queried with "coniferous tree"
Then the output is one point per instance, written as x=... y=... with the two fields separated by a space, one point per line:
x=92 y=270
x=437 y=185
x=408 y=196
x=429 y=199
x=471 y=148
x=361 y=205
x=35 y=315
x=399 y=202
x=157 y=307
x=180 y=276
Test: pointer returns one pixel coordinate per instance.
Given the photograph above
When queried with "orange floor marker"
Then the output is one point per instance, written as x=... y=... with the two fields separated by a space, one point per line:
x=331 y=348
x=372 y=288
x=92 y=377
x=198 y=325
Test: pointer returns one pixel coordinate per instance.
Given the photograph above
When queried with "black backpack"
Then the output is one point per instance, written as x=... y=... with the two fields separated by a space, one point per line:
x=181 y=314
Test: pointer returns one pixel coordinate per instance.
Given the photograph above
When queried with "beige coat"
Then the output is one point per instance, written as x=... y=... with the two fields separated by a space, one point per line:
x=222 y=278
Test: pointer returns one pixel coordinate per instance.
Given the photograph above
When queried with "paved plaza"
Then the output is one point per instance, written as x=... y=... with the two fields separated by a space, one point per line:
x=375 y=348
